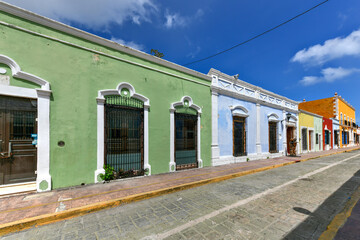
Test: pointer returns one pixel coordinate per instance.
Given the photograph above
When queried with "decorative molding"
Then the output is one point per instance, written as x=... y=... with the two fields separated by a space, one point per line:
x=263 y=95
x=188 y=102
x=43 y=179
x=237 y=95
x=101 y=124
x=239 y=111
x=16 y=72
x=273 y=117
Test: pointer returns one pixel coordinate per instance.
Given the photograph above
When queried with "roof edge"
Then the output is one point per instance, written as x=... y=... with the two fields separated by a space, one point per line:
x=232 y=79
x=310 y=113
x=28 y=15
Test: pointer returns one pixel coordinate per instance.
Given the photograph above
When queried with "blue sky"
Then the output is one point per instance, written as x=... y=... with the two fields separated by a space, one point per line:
x=311 y=57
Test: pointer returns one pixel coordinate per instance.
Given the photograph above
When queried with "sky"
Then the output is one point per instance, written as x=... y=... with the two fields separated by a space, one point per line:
x=310 y=58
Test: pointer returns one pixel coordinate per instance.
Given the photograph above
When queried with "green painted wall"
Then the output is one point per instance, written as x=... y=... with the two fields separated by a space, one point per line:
x=76 y=76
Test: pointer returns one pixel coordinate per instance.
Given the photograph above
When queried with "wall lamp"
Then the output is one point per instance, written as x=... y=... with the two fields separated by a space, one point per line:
x=288 y=116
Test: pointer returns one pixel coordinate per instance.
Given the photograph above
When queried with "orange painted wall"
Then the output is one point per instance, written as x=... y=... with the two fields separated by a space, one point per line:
x=349 y=112
x=323 y=107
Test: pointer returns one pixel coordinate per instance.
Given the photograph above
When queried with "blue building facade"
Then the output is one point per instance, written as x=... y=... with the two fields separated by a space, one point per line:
x=249 y=122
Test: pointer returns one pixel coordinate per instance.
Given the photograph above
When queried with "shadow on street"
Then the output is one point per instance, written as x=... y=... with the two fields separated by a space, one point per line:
x=317 y=221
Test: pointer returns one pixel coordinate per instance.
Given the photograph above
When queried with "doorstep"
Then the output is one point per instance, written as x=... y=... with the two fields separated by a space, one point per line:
x=17 y=188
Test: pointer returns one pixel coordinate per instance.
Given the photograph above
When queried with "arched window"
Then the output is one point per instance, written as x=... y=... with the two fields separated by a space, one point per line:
x=185 y=135
x=123 y=138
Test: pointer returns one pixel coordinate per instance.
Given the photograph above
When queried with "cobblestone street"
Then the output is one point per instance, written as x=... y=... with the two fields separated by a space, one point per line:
x=292 y=202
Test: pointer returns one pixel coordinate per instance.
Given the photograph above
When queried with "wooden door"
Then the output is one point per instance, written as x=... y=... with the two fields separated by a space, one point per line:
x=273 y=148
x=310 y=141
x=18 y=157
x=239 y=137
x=289 y=136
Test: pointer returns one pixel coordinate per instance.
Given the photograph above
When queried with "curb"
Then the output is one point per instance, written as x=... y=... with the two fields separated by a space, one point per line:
x=340 y=218
x=67 y=214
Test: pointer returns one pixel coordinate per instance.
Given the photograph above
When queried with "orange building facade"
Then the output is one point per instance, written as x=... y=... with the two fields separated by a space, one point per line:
x=336 y=107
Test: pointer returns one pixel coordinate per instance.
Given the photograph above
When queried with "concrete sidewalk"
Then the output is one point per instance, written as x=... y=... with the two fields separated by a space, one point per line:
x=24 y=211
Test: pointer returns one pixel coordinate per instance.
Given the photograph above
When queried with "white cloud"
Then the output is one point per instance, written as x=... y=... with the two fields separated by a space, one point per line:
x=131 y=44
x=331 y=49
x=96 y=14
x=173 y=20
x=328 y=75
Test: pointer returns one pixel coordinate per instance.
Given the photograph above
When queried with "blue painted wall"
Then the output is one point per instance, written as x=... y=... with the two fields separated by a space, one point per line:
x=264 y=126
x=225 y=123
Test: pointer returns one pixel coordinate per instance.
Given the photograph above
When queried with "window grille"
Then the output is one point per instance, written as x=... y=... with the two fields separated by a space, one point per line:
x=124 y=133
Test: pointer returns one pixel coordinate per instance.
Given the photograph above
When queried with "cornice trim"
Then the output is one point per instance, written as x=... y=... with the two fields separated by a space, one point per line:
x=25 y=14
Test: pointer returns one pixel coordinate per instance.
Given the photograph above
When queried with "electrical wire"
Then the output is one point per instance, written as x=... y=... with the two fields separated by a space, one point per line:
x=257 y=36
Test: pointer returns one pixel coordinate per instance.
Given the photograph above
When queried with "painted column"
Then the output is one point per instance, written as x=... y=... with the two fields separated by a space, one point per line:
x=297 y=135
x=146 y=139
x=43 y=179
x=200 y=162
x=172 y=141
x=284 y=133
x=258 y=129
x=215 y=151
x=100 y=137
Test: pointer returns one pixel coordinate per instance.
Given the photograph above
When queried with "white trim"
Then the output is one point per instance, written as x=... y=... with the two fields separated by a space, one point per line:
x=43 y=111
x=258 y=129
x=101 y=124
x=16 y=72
x=215 y=151
x=273 y=117
x=185 y=101
x=239 y=111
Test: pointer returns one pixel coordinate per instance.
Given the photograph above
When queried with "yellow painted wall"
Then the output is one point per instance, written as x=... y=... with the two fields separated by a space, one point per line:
x=307 y=121
x=346 y=110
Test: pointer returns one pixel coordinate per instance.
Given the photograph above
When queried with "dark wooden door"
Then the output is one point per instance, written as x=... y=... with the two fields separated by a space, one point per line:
x=239 y=136
x=273 y=137
x=18 y=157
x=289 y=136
x=310 y=141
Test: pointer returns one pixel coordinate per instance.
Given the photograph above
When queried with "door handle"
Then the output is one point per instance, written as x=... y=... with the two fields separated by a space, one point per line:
x=9 y=154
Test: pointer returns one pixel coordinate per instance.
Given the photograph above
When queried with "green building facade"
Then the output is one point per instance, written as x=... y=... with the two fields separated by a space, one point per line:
x=81 y=87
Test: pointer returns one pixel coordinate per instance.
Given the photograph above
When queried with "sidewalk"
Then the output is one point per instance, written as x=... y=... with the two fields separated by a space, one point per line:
x=24 y=211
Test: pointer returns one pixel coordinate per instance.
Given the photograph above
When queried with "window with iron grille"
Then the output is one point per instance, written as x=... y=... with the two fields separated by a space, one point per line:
x=185 y=141
x=336 y=137
x=239 y=136
x=124 y=133
x=327 y=137
x=317 y=138
x=273 y=137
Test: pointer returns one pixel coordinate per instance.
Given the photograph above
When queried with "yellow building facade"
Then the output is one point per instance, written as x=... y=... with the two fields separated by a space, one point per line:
x=348 y=129
x=310 y=132
x=338 y=109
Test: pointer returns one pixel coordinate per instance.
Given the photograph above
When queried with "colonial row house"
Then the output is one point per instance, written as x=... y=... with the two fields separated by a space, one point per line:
x=249 y=122
x=342 y=115
x=310 y=131
x=72 y=102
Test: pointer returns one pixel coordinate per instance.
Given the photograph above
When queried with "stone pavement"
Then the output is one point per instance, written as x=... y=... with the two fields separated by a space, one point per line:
x=18 y=209
x=351 y=228
x=292 y=202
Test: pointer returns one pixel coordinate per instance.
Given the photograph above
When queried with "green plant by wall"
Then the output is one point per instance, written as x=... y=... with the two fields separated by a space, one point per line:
x=109 y=173
x=247 y=159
